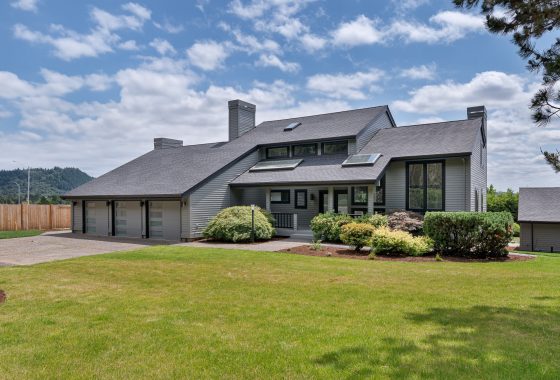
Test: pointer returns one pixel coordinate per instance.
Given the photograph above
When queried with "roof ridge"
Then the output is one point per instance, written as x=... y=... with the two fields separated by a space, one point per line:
x=322 y=114
x=435 y=123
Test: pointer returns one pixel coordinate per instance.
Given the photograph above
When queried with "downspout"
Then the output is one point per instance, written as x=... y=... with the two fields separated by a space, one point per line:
x=467 y=192
x=147 y=209
x=83 y=217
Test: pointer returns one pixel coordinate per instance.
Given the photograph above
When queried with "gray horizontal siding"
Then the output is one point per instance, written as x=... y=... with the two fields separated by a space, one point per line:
x=367 y=134
x=214 y=195
x=395 y=186
x=478 y=174
x=456 y=185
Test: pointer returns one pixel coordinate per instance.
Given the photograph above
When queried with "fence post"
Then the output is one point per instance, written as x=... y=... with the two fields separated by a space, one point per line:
x=50 y=217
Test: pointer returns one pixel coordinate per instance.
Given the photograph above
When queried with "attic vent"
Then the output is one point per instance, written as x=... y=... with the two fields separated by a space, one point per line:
x=275 y=165
x=291 y=126
x=361 y=159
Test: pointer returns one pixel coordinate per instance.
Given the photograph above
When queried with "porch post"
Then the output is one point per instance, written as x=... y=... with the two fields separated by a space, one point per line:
x=371 y=198
x=331 y=198
x=267 y=195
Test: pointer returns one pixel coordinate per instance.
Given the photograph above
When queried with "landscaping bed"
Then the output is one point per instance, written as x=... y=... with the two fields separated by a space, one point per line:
x=331 y=251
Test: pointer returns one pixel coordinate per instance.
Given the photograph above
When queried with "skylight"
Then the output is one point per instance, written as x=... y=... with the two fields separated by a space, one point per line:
x=276 y=165
x=361 y=159
x=292 y=126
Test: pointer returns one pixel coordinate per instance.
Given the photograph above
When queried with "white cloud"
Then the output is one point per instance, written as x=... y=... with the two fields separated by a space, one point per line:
x=162 y=46
x=254 y=9
x=69 y=45
x=493 y=88
x=26 y=5
x=312 y=42
x=271 y=60
x=361 y=31
x=352 y=86
x=168 y=27
x=252 y=44
x=207 y=55
x=408 y=5
x=446 y=26
x=427 y=72
x=129 y=45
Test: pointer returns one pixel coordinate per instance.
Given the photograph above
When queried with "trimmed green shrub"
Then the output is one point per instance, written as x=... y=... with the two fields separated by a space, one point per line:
x=398 y=243
x=357 y=235
x=375 y=220
x=470 y=234
x=327 y=226
x=516 y=229
x=408 y=221
x=233 y=224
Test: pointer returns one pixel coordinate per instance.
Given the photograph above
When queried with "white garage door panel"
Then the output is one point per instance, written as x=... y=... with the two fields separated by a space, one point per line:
x=97 y=218
x=165 y=220
x=546 y=236
x=128 y=219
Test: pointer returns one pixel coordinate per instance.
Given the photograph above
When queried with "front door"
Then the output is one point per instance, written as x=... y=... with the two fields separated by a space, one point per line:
x=323 y=201
x=341 y=201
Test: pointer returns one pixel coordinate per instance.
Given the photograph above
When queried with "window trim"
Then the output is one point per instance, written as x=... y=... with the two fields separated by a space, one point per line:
x=280 y=202
x=382 y=186
x=425 y=187
x=354 y=193
x=305 y=155
x=286 y=147
x=333 y=142
x=304 y=191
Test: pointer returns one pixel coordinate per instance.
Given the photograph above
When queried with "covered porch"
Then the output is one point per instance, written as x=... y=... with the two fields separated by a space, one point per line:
x=294 y=206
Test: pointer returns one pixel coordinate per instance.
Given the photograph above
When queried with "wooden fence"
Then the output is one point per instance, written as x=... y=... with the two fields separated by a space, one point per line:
x=34 y=217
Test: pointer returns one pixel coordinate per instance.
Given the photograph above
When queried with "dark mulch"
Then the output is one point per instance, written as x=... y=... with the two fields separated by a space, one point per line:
x=328 y=251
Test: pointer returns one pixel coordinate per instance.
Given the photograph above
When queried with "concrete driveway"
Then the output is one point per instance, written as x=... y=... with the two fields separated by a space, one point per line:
x=53 y=246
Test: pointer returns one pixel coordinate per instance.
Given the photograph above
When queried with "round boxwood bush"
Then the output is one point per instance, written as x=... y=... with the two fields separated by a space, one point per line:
x=357 y=235
x=327 y=226
x=399 y=243
x=233 y=224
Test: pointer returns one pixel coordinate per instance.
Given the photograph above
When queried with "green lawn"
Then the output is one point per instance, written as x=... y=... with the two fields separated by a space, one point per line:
x=18 y=234
x=170 y=312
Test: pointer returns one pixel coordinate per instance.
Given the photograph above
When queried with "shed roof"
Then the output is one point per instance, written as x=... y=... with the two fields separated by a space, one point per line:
x=539 y=204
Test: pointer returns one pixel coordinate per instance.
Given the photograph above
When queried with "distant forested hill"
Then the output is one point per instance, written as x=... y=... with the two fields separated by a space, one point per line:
x=46 y=184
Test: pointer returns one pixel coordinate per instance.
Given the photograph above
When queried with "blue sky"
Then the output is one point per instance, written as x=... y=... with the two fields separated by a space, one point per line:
x=91 y=83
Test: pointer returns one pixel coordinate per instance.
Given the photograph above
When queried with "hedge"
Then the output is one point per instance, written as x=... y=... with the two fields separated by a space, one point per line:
x=233 y=224
x=470 y=234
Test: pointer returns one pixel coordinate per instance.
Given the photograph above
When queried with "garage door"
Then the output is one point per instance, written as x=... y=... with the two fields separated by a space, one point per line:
x=547 y=237
x=128 y=219
x=165 y=220
x=97 y=218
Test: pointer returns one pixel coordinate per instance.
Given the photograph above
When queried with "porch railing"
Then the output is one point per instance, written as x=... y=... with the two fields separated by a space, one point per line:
x=285 y=220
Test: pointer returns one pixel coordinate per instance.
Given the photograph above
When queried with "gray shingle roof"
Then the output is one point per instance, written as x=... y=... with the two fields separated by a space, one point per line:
x=171 y=172
x=539 y=204
x=320 y=169
x=436 y=139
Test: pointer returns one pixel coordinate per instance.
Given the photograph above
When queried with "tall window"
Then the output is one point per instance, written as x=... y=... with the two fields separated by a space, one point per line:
x=336 y=147
x=278 y=152
x=425 y=190
x=300 y=199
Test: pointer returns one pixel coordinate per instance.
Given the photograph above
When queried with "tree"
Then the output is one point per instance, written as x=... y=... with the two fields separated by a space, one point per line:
x=502 y=201
x=527 y=21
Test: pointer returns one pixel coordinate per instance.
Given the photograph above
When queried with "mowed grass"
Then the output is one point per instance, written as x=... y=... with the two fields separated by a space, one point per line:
x=175 y=312
x=18 y=234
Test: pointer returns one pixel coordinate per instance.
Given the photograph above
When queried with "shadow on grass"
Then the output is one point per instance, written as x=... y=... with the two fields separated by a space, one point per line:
x=476 y=342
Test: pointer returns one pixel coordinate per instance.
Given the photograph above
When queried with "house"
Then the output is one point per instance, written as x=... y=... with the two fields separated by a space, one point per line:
x=539 y=218
x=355 y=162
